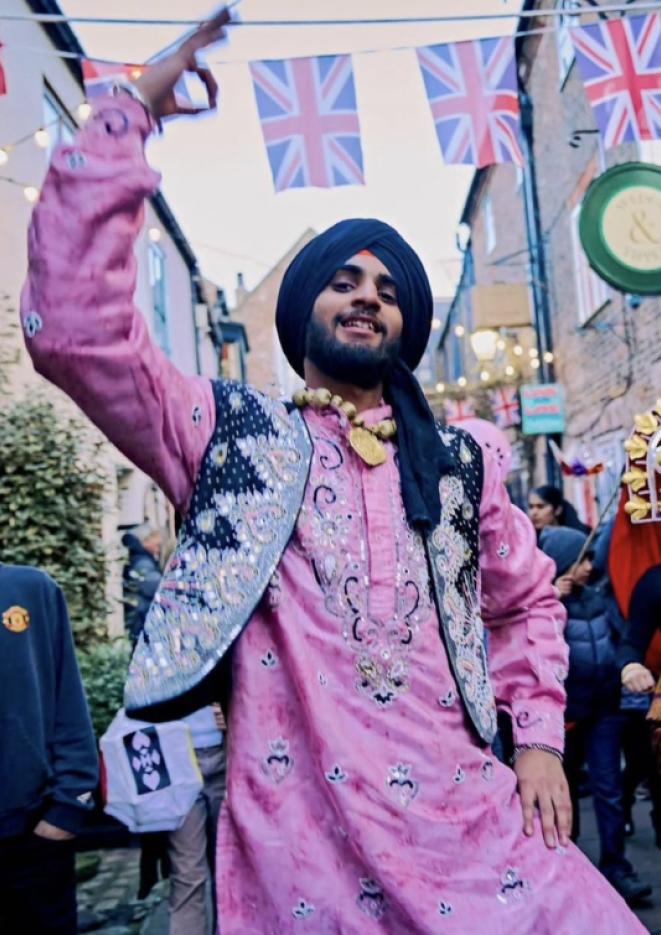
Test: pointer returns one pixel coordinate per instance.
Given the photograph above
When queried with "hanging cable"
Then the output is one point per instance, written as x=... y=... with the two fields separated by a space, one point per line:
x=365 y=21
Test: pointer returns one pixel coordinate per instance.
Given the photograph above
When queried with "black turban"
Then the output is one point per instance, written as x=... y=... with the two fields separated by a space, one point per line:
x=423 y=457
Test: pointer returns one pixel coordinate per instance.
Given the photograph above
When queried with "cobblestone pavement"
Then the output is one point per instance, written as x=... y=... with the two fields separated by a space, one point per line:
x=108 y=902
x=109 y=898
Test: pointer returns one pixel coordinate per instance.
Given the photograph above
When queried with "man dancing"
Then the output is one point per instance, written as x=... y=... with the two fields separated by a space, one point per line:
x=336 y=562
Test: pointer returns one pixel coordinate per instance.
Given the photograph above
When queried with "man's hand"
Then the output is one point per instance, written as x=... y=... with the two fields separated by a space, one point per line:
x=565 y=585
x=51 y=832
x=156 y=84
x=542 y=782
x=637 y=678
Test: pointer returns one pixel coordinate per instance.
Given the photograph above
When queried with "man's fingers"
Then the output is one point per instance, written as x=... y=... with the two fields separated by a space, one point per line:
x=210 y=31
x=563 y=813
x=210 y=84
x=547 y=815
x=528 y=808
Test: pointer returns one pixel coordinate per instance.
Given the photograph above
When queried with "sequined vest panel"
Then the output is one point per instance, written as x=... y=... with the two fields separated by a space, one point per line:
x=242 y=514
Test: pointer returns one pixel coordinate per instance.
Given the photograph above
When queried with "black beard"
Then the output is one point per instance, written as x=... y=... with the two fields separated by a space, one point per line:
x=354 y=364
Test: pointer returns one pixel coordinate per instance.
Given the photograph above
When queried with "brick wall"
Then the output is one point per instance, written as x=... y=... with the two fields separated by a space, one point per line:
x=610 y=363
x=607 y=355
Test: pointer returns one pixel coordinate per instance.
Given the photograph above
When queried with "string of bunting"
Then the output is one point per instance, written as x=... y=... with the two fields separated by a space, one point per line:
x=500 y=404
x=308 y=107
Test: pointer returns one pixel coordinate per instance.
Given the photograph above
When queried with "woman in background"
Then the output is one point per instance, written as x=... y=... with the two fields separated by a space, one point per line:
x=548 y=507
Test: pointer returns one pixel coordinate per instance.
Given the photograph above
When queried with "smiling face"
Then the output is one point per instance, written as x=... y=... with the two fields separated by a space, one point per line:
x=354 y=331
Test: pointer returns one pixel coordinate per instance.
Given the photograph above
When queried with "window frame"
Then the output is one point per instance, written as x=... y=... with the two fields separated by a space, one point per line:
x=586 y=280
x=563 y=40
x=59 y=124
x=157 y=271
x=490 y=234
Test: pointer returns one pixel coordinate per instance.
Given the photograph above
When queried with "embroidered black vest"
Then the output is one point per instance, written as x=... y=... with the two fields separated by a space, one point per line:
x=242 y=514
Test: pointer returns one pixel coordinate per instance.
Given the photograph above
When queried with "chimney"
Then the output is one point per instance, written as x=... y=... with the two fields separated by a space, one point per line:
x=241 y=291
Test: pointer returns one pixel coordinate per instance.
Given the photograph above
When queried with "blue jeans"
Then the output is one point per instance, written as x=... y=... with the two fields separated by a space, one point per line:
x=597 y=742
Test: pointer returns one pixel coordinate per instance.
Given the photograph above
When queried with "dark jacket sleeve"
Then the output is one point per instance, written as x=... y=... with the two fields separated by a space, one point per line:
x=644 y=617
x=73 y=754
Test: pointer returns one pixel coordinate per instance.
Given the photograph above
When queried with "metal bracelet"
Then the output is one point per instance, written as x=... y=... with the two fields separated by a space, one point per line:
x=521 y=748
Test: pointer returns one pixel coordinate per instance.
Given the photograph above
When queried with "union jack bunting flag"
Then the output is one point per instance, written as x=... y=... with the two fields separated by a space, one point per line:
x=99 y=77
x=307 y=108
x=505 y=407
x=3 y=80
x=458 y=410
x=620 y=63
x=472 y=91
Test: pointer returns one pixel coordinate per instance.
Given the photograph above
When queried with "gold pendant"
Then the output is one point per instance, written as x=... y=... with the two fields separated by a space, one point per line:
x=367 y=446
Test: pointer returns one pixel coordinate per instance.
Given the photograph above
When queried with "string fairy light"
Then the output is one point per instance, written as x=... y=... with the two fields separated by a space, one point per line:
x=42 y=138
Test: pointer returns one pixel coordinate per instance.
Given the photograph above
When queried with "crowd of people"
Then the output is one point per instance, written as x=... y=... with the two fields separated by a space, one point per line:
x=608 y=688
x=352 y=594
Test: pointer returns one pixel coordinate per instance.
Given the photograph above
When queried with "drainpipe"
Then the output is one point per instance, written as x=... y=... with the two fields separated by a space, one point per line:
x=197 y=299
x=538 y=276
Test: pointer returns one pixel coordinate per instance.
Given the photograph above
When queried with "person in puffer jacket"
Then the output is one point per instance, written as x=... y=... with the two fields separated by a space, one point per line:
x=592 y=718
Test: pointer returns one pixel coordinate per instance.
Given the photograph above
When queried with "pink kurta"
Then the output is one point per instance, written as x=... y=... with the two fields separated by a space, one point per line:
x=359 y=799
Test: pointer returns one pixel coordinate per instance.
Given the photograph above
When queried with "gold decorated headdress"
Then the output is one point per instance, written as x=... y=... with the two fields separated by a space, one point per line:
x=643 y=473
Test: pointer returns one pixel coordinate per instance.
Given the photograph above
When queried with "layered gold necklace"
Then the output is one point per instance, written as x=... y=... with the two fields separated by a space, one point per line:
x=366 y=440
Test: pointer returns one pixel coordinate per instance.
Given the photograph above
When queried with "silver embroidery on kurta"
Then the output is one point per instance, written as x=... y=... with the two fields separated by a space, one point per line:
x=401 y=784
x=371 y=899
x=332 y=536
x=455 y=569
x=278 y=763
x=213 y=582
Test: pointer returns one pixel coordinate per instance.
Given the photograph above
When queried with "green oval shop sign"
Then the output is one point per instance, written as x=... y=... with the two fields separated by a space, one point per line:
x=620 y=227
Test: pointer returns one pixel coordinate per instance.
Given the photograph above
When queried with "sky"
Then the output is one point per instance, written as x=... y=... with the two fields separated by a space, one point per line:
x=215 y=170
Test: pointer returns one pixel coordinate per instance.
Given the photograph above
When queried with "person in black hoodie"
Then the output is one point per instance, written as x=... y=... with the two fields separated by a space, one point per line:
x=141 y=576
x=48 y=758
x=592 y=717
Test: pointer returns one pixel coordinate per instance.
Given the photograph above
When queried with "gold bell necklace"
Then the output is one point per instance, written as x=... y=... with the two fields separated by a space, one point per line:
x=366 y=440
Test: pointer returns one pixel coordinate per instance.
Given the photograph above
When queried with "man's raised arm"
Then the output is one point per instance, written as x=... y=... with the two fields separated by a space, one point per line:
x=81 y=326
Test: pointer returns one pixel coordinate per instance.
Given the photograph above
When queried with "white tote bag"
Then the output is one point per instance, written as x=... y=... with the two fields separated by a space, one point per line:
x=151 y=771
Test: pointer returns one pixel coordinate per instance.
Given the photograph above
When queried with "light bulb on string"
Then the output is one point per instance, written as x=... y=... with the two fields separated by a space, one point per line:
x=534 y=363
x=517 y=350
x=485 y=376
x=533 y=352
x=154 y=234
x=84 y=110
x=440 y=387
x=548 y=357
x=501 y=344
x=42 y=138
x=462 y=381
x=509 y=371
x=4 y=156
x=31 y=193
x=459 y=330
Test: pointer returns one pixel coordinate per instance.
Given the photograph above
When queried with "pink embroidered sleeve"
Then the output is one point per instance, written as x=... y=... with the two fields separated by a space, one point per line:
x=525 y=620
x=82 y=329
